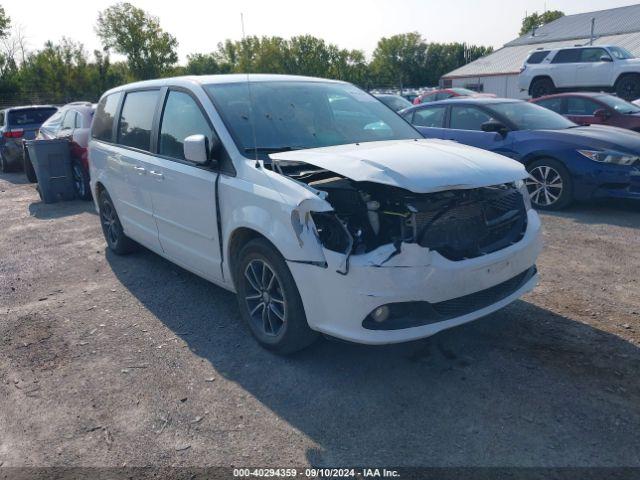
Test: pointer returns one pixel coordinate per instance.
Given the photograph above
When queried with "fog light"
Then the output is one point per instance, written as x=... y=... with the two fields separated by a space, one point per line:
x=380 y=314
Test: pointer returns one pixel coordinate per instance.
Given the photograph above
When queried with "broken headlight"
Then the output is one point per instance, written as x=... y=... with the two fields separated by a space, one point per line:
x=524 y=191
x=331 y=232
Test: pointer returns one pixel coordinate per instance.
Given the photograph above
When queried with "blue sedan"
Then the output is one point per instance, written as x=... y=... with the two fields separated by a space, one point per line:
x=566 y=162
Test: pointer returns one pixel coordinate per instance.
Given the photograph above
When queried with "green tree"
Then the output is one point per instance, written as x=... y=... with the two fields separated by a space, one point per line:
x=5 y=23
x=400 y=60
x=132 y=32
x=536 y=20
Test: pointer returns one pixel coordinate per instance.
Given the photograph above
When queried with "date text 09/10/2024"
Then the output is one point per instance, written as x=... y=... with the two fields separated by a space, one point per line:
x=315 y=473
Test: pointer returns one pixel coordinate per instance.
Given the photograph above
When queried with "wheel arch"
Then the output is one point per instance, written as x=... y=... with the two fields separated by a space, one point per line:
x=237 y=240
x=538 y=78
x=625 y=75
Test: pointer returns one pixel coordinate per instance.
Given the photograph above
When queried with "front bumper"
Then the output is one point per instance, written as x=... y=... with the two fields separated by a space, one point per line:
x=338 y=304
x=601 y=180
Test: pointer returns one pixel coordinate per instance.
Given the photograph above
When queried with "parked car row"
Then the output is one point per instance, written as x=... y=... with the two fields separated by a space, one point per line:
x=72 y=122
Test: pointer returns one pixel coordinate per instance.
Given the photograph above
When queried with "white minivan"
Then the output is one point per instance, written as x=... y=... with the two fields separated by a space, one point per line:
x=317 y=204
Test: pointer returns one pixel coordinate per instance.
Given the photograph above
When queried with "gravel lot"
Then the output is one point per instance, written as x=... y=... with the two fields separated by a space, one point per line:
x=107 y=360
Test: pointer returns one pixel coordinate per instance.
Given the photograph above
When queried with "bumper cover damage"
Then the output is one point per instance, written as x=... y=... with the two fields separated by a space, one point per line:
x=389 y=239
x=337 y=305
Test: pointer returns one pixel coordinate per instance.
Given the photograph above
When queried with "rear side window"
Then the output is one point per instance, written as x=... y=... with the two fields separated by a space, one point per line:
x=581 y=106
x=429 y=117
x=592 y=55
x=104 y=118
x=29 y=116
x=537 y=57
x=136 y=119
x=569 y=55
x=182 y=117
x=554 y=104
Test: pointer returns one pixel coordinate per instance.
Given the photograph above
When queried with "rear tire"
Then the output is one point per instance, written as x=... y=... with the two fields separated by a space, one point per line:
x=80 y=180
x=117 y=241
x=269 y=299
x=541 y=87
x=4 y=165
x=550 y=184
x=29 y=171
x=628 y=87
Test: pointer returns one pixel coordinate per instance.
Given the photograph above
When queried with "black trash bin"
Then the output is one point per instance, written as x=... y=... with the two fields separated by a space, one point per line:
x=51 y=161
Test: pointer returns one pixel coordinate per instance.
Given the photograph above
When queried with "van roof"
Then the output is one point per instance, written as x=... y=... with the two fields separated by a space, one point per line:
x=211 y=79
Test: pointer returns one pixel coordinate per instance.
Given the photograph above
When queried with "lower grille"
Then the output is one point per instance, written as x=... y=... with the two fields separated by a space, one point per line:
x=417 y=314
x=486 y=220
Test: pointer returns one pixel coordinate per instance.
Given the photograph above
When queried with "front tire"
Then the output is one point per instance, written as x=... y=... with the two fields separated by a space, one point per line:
x=269 y=299
x=117 y=241
x=541 y=87
x=628 y=87
x=550 y=184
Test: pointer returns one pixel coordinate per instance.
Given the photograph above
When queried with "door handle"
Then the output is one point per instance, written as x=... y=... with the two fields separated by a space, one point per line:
x=140 y=170
x=158 y=175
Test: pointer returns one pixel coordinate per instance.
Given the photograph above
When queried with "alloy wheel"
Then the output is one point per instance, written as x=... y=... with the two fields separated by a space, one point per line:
x=109 y=222
x=264 y=298
x=545 y=185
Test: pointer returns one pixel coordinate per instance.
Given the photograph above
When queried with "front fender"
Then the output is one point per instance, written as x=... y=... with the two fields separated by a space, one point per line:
x=277 y=208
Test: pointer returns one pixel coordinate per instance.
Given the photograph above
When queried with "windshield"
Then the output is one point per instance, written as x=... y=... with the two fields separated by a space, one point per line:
x=620 y=53
x=395 y=102
x=528 y=116
x=290 y=115
x=618 y=104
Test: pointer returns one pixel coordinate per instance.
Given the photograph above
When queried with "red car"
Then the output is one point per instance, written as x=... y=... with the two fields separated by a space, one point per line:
x=587 y=108
x=436 y=95
x=73 y=123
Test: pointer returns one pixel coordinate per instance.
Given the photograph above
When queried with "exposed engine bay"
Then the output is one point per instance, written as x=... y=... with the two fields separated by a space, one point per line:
x=458 y=224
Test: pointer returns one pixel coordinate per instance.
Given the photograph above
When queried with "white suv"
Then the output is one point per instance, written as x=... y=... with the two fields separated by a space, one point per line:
x=609 y=68
x=318 y=205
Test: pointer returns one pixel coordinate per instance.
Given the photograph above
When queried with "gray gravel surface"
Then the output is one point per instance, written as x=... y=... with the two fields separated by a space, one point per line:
x=107 y=361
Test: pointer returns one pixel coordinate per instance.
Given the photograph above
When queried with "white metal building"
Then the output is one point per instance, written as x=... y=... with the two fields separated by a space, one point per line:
x=498 y=72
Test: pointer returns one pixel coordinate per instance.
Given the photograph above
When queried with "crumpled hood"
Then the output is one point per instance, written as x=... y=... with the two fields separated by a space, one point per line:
x=421 y=166
x=597 y=136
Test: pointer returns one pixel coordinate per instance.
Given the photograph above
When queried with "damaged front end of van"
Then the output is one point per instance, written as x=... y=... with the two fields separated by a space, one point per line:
x=415 y=236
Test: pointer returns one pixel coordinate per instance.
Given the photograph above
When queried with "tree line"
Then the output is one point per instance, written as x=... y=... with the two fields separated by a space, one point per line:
x=64 y=71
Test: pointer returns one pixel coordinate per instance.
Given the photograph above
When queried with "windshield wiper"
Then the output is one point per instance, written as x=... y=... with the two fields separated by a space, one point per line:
x=270 y=149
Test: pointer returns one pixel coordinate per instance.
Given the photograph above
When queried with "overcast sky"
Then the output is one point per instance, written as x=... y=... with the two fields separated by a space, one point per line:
x=199 y=26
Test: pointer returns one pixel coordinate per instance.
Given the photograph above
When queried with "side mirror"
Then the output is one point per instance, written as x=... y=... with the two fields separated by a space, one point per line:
x=196 y=149
x=601 y=114
x=606 y=58
x=493 y=126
